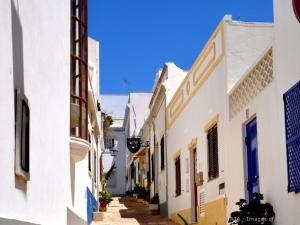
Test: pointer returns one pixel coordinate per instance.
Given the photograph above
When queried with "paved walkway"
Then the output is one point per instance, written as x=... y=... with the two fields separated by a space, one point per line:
x=127 y=211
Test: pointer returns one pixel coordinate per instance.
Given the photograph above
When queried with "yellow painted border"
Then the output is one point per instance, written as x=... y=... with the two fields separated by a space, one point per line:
x=215 y=213
x=172 y=115
x=176 y=154
x=193 y=144
x=178 y=95
x=211 y=123
x=212 y=47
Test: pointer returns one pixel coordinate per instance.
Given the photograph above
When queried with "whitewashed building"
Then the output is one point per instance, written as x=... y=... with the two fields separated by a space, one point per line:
x=114 y=106
x=197 y=118
x=44 y=168
x=165 y=85
x=136 y=113
x=264 y=117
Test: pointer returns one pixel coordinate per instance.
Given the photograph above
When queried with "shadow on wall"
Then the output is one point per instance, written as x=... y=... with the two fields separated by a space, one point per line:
x=73 y=219
x=72 y=177
x=14 y=222
x=18 y=66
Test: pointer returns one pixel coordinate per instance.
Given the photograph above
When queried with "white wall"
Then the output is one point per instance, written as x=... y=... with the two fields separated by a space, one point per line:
x=208 y=102
x=159 y=134
x=287 y=73
x=245 y=43
x=119 y=175
x=35 y=57
x=138 y=103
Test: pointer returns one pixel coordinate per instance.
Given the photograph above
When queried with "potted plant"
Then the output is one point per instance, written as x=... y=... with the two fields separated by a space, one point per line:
x=104 y=199
x=253 y=213
x=154 y=204
x=137 y=189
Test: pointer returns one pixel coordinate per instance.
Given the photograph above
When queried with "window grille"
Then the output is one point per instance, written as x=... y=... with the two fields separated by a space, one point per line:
x=213 y=159
x=178 y=176
x=249 y=87
x=153 y=167
x=162 y=153
x=292 y=127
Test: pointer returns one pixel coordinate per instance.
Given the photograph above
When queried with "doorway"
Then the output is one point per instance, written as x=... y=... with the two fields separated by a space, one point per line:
x=252 y=158
x=194 y=189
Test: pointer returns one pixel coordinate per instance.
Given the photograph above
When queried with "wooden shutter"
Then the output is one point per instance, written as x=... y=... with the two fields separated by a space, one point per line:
x=178 y=176
x=162 y=154
x=213 y=159
x=153 y=168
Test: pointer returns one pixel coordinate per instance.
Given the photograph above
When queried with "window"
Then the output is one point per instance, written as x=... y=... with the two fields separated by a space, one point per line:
x=213 y=160
x=109 y=143
x=22 y=135
x=162 y=153
x=292 y=127
x=79 y=70
x=177 y=176
x=153 y=167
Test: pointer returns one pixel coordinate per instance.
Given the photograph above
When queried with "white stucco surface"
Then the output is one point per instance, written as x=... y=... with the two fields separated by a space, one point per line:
x=35 y=60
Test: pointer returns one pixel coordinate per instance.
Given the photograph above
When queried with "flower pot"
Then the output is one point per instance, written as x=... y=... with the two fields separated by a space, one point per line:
x=135 y=196
x=153 y=206
x=103 y=208
x=154 y=209
x=103 y=205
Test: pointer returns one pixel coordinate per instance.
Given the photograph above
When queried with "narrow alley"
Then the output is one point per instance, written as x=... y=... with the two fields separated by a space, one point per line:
x=128 y=211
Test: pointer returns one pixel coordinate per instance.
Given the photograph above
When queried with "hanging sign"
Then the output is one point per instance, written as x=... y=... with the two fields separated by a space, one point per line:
x=296 y=6
x=133 y=144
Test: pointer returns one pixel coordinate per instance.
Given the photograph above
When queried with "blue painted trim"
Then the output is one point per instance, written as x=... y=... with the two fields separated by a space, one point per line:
x=92 y=205
x=290 y=140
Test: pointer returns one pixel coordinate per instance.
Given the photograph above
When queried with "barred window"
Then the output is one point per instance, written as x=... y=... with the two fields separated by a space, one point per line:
x=292 y=127
x=162 y=153
x=153 y=167
x=213 y=159
x=177 y=176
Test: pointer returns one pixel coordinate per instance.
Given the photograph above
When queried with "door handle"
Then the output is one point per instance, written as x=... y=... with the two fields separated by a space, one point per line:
x=256 y=177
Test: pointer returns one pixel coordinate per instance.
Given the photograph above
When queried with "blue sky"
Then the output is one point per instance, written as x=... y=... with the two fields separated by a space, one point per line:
x=137 y=36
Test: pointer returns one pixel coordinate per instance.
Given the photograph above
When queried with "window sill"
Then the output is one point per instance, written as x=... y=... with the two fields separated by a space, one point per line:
x=212 y=179
x=79 y=148
x=177 y=195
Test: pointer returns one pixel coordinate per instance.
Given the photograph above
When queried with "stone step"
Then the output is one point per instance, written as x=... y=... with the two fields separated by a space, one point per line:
x=99 y=223
x=98 y=216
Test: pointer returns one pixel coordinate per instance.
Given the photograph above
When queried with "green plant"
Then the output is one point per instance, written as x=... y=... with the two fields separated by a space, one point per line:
x=104 y=198
x=137 y=189
x=154 y=199
x=108 y=120
x=253 y=213
x=110 y=171
x=183 y=219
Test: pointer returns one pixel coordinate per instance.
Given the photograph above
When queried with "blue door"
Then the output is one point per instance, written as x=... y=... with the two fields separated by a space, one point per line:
x=252 y=159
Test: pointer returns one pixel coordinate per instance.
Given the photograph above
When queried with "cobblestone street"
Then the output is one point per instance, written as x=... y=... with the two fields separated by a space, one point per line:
x=128 y=211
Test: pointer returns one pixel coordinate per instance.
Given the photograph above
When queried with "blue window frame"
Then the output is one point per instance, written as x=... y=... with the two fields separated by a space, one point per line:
x=292 y=127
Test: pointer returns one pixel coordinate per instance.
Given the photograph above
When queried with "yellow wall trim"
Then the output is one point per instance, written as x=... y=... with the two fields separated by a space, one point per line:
x=215 y=214
x=193 y=144
x=211 y=123
x=205 y=64
x=176 y=154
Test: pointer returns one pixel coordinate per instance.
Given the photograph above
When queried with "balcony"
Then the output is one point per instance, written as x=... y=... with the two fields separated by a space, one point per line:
x=79 y=148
